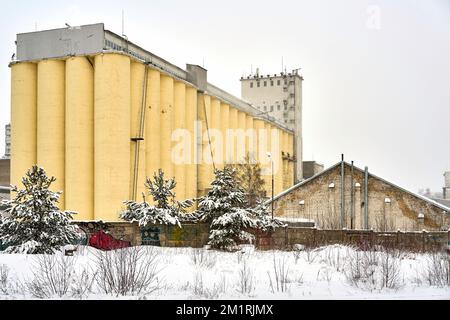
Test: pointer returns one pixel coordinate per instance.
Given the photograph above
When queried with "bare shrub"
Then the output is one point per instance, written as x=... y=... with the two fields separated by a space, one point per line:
x=4 y=274
x=390 y=270
x=437 y=271
x=82 y=283
x=52 y=275
x=245 y=284
x=126 y=271
x=200 y=290
x=310 y=254
x=278 y=280
x=334 y=258
x=325 y=273
x=203 y=258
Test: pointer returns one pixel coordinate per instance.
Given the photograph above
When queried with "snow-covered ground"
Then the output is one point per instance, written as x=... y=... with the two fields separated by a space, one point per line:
x=187 y=273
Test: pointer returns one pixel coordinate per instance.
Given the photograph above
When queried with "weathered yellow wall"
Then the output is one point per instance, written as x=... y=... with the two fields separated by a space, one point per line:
x=111 y=135
x=79 y=134
x=166 y=123
x=179 y=124
x=153 y=125
x=23 y=119
x=50 y=121
x=191 y=117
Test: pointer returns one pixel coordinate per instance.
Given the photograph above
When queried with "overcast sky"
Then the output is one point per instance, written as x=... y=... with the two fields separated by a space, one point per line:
x=376 y=73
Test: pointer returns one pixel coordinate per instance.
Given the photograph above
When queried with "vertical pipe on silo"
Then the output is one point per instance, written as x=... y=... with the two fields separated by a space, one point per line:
x=268 y=177
x=137 y=147
x=79 y=157
x=153 y=124
x=50 y=121
x=111 y=135
x=191 y=117
x=179 y=126
x=23 y=120
x=285 y=162
x=225 y=124
x=166 y=125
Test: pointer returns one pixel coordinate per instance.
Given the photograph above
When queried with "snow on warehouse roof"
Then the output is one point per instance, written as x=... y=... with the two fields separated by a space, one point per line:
x=300 y=184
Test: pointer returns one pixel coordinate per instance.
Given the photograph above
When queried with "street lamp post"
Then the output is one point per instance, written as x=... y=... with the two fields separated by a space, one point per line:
x=271 y=160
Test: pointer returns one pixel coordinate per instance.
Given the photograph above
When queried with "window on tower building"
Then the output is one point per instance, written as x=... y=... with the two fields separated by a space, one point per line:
x=265 y=108
x=251 y=84
x=271 y=83
x=285 y=81
x=278 y=82
x=271 y=108
x=278 y=108
x=258 y=84
x=265 y=83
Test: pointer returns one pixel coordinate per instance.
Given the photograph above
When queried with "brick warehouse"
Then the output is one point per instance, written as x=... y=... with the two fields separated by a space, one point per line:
x=369 y=202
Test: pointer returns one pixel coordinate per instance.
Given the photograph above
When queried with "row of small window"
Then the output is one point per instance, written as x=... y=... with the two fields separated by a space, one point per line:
x=258 y=83
x=114 y=46
x=278 y=108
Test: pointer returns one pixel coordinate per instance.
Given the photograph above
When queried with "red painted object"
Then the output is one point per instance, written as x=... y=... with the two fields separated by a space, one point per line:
x=103 y=241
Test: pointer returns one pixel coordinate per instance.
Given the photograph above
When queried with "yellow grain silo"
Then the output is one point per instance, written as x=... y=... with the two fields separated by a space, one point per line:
x=111 y=135
x=285 y=148
x=291 y=156
x=225 y=123
x=23 y=119
x=153 y=125
x=250 y=142
x=138 y=103
x=241 y=137
x=205 y=165
x=50 y=121
x=79 y=138
x=191 y=117
x=277 y=145
x=178 y=128
x=231 y=137
x=166 y=125
x=216 y=134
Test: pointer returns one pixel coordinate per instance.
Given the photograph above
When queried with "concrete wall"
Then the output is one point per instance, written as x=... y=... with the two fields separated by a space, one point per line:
x=196 y=236
x=389 y=207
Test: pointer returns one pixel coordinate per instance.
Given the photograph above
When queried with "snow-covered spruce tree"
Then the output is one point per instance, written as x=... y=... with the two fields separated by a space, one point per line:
x=224 y=207
x=264 y=221
x=32 y=222
x=166 y=209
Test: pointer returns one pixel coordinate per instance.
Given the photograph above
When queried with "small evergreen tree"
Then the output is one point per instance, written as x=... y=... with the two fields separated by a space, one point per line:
x=166 y=209
x=249 y=177
x=264 y=221
x=32 y=222
x=224 y=207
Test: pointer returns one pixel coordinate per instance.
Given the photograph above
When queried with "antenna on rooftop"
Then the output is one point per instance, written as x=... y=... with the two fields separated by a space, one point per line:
x=123 y=23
